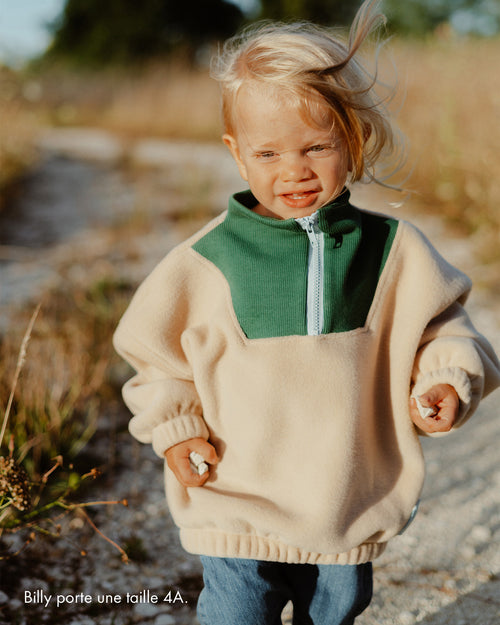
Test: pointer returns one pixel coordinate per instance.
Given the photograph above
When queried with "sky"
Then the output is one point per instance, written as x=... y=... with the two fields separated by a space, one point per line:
x=23 y=31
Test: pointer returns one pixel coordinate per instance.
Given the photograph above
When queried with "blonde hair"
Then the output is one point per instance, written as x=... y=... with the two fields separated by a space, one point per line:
x=317 y=67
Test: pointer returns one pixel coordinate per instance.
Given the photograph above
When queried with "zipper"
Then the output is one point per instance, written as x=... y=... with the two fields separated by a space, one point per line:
x=315 y=273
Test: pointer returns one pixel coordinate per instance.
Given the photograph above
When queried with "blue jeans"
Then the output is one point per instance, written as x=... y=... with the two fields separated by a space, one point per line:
x=252 y=592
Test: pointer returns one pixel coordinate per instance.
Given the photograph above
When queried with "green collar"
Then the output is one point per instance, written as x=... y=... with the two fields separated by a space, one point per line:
x=265 y=262
x=337 y=217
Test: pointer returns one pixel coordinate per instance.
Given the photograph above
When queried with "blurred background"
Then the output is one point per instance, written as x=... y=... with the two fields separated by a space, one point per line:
x=141 y=69
x=110 y=153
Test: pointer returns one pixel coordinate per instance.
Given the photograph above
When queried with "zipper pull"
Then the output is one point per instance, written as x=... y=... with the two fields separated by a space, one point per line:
x=309 y=225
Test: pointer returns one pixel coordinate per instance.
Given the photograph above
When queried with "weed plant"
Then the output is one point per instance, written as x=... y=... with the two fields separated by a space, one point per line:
x=52 y=392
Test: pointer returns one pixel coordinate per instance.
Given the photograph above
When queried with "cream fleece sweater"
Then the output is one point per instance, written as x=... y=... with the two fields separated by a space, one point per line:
x=320 y=462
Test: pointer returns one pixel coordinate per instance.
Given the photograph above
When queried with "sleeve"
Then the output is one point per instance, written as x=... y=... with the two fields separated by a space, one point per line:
x=452 y=352
x=162 y=395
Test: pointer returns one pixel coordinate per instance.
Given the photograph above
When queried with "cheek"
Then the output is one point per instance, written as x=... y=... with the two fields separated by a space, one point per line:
x=336 y=171
x=343 y=161
x=259 y=179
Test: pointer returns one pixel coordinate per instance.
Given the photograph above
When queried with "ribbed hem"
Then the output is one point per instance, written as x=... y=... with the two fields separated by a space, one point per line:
x=222 y=545
x=177 y=430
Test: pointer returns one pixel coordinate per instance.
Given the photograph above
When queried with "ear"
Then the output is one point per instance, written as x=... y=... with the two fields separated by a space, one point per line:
x=232 y=144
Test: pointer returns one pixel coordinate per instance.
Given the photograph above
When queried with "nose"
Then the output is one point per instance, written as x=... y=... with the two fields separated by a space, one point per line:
x=295 y=167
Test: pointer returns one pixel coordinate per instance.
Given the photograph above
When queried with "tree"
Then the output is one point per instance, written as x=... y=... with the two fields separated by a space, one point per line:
x=328 y=12
x=124 y=31
x=414 y=17
x=418 y=17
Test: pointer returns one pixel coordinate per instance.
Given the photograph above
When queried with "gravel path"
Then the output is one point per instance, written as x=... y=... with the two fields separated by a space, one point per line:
x=445 y=570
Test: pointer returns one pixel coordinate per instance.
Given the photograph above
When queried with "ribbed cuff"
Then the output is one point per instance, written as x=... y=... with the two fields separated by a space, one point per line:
x=177 y=430
x=454 y=376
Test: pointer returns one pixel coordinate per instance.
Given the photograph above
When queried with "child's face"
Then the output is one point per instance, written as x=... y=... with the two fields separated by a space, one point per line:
x=292 y=167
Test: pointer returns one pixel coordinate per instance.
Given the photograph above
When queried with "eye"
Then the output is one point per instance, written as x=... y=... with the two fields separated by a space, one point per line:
x=321 y=150
x=267 y=157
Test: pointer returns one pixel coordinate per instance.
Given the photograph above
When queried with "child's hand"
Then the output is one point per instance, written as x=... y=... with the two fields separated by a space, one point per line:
x=178 y=460
x=444 y=398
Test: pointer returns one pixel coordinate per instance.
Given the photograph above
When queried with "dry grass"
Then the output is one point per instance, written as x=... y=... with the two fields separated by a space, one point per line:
x=162 y=100
x=167 y=102
x=18 y=127
x=450 y=116
x=52 y=391
x=51 y=394
x=67 y=375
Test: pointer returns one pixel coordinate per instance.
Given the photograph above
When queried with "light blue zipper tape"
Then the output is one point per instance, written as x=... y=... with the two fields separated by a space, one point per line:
x=315 y=273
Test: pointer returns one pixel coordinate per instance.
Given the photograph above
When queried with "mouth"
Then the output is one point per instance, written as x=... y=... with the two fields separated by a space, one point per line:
x=299 y=200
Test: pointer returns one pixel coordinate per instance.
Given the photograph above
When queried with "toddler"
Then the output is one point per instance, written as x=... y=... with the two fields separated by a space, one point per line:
x=283 y=342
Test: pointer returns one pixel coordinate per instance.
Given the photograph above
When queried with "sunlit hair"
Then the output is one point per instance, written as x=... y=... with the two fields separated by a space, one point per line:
x=313 y=67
